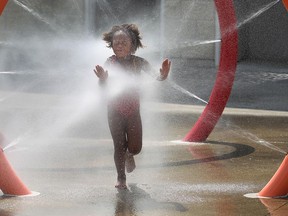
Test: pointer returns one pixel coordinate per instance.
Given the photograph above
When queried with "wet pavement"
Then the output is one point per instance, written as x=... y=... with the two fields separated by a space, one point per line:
x=64 y=150
x=74 y=171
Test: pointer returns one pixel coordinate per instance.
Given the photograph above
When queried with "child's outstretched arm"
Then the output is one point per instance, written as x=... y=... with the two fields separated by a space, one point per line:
x=101 y=74
x=164 y=70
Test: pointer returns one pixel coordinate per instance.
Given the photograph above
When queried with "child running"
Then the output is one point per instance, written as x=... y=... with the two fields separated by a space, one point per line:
x=124 y=108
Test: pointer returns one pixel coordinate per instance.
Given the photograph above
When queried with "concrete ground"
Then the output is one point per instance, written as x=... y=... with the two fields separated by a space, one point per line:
x=67 y=156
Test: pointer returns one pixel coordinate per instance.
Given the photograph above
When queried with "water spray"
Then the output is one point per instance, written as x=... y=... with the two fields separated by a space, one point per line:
x=194 y=44
x=277 y=187
x=35 y=14
x=258 y=13
x=179 y=88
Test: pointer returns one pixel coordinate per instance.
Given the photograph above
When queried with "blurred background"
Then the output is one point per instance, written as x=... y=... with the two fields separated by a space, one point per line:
x=50 y=46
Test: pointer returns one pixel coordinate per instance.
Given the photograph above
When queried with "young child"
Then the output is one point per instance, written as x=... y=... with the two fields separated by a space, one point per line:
x=124 y=108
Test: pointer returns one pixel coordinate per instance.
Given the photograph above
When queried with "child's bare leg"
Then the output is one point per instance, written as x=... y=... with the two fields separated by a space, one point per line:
x=119 y=159
x=130 y=162
x=117 y=129
x=134 y=137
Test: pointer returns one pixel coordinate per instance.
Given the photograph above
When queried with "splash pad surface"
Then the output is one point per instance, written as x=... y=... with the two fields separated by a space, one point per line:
x=182 y=178
x=71 y=167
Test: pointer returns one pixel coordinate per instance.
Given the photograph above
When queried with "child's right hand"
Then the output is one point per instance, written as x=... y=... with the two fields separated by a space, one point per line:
x=101 y=73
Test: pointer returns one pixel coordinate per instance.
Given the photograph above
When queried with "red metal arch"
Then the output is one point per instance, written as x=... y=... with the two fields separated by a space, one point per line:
x=2 y=5
x=285 y=2
x=225 y=75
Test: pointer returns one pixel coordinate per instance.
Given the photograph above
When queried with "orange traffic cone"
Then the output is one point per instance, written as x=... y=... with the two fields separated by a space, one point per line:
x=285 y=2
x=10 y=183
x=278 y=185
x=2 y=5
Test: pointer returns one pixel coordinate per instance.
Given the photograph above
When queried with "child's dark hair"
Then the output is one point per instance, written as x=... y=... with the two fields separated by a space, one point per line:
x=130 y=29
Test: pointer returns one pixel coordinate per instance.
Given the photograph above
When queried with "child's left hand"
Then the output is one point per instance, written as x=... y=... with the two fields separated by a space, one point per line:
x=164 y=71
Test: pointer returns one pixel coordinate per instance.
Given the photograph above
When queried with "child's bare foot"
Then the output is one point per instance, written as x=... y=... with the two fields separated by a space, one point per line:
x=130 y=162
x=121 y=185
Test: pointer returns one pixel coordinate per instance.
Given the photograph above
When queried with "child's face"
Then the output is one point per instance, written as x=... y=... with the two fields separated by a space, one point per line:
x=122 y=44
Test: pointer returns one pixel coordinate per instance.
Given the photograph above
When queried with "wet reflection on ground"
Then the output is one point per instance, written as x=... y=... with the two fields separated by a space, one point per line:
x=275 y=207
x=75 y=174
x=134 y=200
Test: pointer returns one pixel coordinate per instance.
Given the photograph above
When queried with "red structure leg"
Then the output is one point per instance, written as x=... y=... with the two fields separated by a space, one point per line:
x=285 y=2
x=225 y=75
x=2 y=5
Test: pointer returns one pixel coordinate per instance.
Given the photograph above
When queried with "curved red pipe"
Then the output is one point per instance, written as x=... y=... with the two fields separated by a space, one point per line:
x=2 y=5
x=225 y=75
x=285 y=2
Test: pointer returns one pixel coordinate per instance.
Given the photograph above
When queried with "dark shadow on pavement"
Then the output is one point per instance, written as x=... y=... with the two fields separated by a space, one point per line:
x=240 y=151
x=129 y=202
